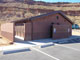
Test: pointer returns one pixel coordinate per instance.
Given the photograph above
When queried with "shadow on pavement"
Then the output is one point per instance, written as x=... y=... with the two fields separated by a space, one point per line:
x=74 y=39
x=22 y=42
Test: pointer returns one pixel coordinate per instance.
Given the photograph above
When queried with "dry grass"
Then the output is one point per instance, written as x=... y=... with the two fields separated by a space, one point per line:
x=75 y=19
x=20 y=5
x=3 y=42
x=76 y=32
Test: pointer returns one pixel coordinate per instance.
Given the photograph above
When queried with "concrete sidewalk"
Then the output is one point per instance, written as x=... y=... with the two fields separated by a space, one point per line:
x=26 y=45
x=46 y=41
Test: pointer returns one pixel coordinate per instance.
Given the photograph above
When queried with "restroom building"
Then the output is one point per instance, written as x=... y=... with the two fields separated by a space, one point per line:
x=53 y=25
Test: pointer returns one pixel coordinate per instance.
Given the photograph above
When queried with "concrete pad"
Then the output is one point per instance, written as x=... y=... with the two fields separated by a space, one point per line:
x=24 y=46
x=42 y=44
x=1 y=50
x=49 y=42
x=19 y=37
x=1 y=53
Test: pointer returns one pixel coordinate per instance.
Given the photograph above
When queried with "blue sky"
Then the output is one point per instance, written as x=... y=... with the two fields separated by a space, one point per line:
x=59 y=0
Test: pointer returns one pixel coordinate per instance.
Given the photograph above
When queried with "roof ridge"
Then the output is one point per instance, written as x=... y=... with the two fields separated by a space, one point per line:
x=46 y=14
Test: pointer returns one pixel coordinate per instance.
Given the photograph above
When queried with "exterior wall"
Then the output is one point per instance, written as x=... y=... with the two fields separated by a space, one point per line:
x=28 y=31
x=7 y=32
x=20 y=30
x=61 y=31
x=24 y=30
x=41 y=26
x=0 y=31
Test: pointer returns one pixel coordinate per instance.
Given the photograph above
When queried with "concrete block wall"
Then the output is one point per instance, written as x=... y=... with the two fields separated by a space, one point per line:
x=19 y=30
x=61 y=31
x=7 y=32
x=28 y=31
x=41 y=26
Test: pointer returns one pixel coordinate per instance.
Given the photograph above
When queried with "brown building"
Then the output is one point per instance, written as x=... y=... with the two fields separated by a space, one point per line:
x=51 y=25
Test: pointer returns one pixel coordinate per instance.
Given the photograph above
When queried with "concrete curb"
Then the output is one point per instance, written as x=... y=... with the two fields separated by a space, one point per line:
x=16 y=50
x=12 y=49
x=42 y=44
x=46 y=45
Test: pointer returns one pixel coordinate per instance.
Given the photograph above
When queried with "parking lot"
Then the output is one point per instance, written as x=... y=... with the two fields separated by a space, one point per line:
x=67 y=50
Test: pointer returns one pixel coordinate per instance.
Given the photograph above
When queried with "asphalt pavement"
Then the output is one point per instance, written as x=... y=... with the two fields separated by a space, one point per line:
x=58 y=51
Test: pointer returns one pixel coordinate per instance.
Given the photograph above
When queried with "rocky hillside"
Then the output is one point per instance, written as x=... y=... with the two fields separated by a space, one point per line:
x=7 y=1
x=18 y=9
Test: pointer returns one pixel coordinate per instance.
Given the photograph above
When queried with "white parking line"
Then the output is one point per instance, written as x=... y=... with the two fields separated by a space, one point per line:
x=68 y=47
x=45 y=54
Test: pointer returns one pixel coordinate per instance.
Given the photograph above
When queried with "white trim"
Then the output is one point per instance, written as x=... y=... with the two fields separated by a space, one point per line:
x=68 y=47
x=46 y=54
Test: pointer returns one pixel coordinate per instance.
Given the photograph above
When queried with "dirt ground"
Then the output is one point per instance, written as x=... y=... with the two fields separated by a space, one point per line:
x=76 y=32
x=3 y=42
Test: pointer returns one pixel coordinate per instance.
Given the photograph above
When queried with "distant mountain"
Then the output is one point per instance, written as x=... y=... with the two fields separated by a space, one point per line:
x=6 y=1
x=10 y=10
x=32 y=2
